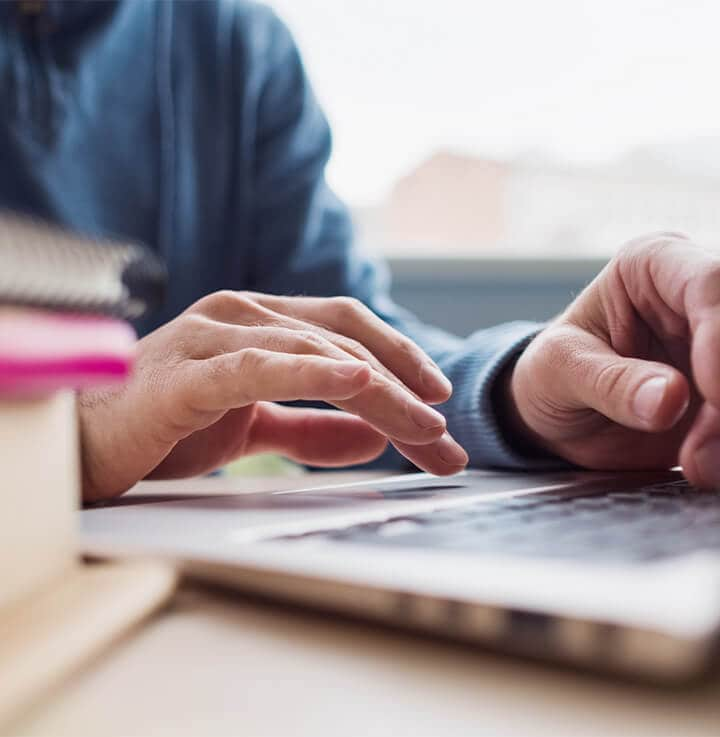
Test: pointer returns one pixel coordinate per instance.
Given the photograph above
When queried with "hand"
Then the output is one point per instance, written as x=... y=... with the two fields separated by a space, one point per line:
x=629 y=376
x=204 y=384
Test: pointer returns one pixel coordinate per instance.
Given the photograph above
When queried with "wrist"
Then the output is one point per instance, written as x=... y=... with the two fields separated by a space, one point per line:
x=91 y=488
x=109 y=466
x=517 y=433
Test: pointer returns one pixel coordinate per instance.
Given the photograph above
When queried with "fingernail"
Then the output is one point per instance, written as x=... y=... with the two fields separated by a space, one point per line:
x=450 y=451
x=425 y=417
x=435 y=380
x=681 y=412
x=707 y=463
x=649 y=397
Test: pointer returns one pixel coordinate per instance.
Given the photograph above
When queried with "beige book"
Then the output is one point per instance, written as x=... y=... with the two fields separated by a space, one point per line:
x=39 y=482
x=55 y=612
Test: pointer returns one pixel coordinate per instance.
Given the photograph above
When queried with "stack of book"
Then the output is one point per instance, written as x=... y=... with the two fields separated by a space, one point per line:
x=63 y=305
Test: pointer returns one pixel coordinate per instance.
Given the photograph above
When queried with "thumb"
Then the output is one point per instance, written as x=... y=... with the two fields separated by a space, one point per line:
x=700 y=453
x=318 y=437
x=638 y=394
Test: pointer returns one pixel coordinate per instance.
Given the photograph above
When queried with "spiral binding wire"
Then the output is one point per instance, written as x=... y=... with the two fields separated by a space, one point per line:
x=44 y=266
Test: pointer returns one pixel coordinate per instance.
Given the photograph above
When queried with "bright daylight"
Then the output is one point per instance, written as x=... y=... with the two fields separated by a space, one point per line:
x=360 y=368
x=477 y=128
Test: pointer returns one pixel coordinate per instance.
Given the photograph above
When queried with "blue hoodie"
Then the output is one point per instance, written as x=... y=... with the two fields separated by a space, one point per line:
x=191 y=126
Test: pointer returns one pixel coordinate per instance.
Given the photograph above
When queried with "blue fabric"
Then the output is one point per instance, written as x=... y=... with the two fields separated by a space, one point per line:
x=192 y=127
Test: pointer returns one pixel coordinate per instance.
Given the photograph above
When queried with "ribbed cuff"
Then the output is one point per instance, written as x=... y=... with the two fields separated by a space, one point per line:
x=474 y=370
x=470 y=412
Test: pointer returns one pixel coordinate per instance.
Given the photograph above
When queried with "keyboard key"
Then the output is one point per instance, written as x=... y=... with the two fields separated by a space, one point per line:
x=647 y=524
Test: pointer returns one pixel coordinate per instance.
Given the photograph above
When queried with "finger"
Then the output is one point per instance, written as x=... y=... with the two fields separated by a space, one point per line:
x=584 y=371
x=689 y=280
x=297 y=336
x=443 y=457
x=314 y=436
x=284 y=335
x=705 y=356
x=251 y=375
x=394 y=412
x=328 y=438
x=350 y=319
x=700 y=453
x=215 y=332
x=384 y=402
x=675 y=286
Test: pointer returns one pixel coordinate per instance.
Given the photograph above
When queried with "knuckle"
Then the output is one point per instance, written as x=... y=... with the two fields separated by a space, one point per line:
x=651 y=244
x=610 y=379
x=705 y=288
x=249 y=360
x=241 y=374
x=287 y=340
x=193 y=322
x=214 y=372
x=349 y=307
x=555 y=347
x=189 y=335
x=404 y=348
x=225 y=302
x=358 y=350
x=309 y=373
x=272 y=338
x=353 y=346
x=216 y=369
x=223 y=298
x=244 y=298
x=313 y=342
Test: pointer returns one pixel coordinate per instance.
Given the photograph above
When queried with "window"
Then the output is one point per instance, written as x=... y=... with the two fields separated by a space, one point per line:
x=560 y=128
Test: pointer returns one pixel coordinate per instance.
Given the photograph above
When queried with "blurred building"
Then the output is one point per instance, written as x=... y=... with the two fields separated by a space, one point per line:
x=456 y=204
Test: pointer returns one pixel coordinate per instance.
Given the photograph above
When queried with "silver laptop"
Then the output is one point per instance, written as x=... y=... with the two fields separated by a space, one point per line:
x=618 y=572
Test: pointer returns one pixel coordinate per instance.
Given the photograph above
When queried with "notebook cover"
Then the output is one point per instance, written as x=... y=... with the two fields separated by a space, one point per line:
x=41 y=352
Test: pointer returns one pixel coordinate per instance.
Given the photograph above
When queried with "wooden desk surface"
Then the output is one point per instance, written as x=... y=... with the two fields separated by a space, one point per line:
x=216 y=663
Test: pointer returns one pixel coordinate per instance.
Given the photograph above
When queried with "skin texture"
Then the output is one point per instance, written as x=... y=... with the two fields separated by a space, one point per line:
x=204 y=387
x=652 y=315
x=628 y=377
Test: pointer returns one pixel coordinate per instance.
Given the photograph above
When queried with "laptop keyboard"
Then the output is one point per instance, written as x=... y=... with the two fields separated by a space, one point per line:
x=649 y=523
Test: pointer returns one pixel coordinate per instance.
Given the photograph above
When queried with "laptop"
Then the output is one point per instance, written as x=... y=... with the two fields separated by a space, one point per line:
x=611 y=572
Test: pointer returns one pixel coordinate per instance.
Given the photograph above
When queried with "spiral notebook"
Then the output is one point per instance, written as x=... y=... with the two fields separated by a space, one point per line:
x=45 y=266
x=62 y=300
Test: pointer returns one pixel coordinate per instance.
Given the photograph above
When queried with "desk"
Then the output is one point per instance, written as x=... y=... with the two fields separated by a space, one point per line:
x=216 y=663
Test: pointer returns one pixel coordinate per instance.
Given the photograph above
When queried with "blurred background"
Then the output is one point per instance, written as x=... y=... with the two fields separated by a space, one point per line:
x=497 y=153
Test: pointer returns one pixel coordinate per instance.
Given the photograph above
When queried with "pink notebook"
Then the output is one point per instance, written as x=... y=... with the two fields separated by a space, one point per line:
x=43 y=351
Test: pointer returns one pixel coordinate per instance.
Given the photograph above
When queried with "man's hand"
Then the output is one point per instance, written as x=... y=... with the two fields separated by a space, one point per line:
x=629 y=376
x=204 y=388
